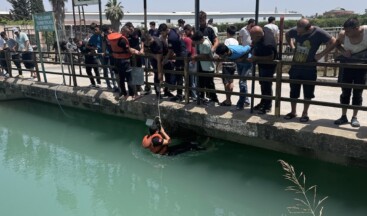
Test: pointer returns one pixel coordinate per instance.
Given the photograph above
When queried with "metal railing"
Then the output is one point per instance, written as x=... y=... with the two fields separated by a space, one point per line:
x=75 y=65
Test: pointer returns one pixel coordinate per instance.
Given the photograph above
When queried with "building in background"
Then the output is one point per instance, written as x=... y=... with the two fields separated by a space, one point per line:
x=338 y=12
x=137 y=19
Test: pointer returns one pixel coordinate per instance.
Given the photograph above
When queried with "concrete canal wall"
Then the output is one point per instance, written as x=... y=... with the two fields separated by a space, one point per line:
x=266 y=131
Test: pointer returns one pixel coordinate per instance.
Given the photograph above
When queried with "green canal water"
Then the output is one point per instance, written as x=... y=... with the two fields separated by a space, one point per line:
x=83 y=163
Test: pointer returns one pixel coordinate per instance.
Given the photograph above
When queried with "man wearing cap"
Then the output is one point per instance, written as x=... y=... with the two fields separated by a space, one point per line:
x=25 y=47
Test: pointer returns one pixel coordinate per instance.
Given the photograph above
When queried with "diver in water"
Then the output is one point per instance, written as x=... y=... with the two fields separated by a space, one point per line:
x=159 y=142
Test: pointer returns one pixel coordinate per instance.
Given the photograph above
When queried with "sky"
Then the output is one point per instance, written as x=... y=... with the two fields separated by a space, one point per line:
x=305 y=7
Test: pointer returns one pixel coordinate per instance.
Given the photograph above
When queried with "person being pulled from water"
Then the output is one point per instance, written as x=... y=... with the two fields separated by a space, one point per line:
x=159 y=142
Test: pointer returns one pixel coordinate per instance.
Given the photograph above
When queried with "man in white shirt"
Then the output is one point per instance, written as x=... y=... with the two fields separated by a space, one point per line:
x=25 y=47
x=205 y=49
x=273 y=27
x=244 y=37
x=3 y=64
x=210 y=24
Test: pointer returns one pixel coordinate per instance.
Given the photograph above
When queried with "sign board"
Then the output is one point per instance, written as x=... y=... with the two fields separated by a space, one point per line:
x=44 y=22
x=85 y=2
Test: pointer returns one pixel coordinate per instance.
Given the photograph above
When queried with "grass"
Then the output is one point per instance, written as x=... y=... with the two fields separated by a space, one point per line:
x=303 y=203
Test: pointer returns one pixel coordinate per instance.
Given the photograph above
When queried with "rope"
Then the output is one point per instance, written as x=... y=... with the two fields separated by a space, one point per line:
x=158 y=102
x=57 y=99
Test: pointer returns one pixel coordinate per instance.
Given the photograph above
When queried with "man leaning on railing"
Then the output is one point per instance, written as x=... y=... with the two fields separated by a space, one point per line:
x=308 y=39
x=264 y=49
x=352 y=42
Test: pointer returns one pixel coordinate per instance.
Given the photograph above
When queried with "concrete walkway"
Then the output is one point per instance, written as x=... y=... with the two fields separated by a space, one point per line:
x=319 y=115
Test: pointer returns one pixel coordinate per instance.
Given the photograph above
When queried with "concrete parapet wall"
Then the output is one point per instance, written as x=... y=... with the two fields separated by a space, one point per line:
x=266 y=131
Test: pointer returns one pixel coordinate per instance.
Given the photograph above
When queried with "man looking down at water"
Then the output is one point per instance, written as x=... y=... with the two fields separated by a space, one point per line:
x=264 y=49
x=158 y=141
x=352 y=43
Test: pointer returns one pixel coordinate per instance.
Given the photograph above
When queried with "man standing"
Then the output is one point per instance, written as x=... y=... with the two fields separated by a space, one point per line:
x=181 y=24
x=158 y=49
x=122 y=53
x=108 y=59
x=205 y=50
x=71 y=47
x=177 y=48
x=211 y=25
x=308 y=39
x=239 y=54
x=11 y=45
x=208 y=31
x=134 y=36
x=228 y=68
x=244 y=37
x=351 y=42
x=25 y=47
x=264 y=49
x=153 y=31
x=274 y=28
x=3 y=63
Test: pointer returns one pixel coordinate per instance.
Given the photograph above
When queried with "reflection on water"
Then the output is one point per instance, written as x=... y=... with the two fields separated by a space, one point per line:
x=92 y=164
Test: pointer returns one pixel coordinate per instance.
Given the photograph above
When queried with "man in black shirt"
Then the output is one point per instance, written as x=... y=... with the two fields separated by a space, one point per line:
x=177 y=48
x=208 y=31
x=135 y=42
x=158 y=48
x=264 y=49
x=153 y=31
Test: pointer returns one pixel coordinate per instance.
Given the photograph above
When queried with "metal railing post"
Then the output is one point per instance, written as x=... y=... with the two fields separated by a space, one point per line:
x=8 y=62
x=34 y=58
x=186 y=79
x=73 y=68
x=278 y=88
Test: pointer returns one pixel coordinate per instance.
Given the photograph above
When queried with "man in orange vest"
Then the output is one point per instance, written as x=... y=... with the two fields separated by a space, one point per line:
x=158 y=142
x=121 y=52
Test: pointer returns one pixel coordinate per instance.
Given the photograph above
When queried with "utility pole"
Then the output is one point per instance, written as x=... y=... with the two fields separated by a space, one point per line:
x=100 y=12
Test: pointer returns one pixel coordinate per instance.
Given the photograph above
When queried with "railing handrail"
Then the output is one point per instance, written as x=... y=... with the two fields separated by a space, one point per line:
x=278 y=79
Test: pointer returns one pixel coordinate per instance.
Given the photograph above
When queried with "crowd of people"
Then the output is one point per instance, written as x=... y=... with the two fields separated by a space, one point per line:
x=114 y=52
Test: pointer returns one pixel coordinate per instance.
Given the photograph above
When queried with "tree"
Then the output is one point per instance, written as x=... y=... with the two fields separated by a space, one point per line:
x=37 y=6
x=114 y=13
x=21 y=9
x=58 y=7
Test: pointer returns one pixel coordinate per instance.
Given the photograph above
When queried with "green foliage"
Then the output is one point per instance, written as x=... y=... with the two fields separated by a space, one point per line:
x=304 y=204
x=114 y=13
x=21 y=9
x=5 y=21
x=37 y=6
x=58 y=7
x=321 y=21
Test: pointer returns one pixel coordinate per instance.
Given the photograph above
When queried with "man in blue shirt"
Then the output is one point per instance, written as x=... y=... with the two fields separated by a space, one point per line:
x=238 y=53
x=93 y=47
x=95 y=41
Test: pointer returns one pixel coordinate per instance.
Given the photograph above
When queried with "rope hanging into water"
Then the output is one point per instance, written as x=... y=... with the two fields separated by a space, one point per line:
x=158 y=101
